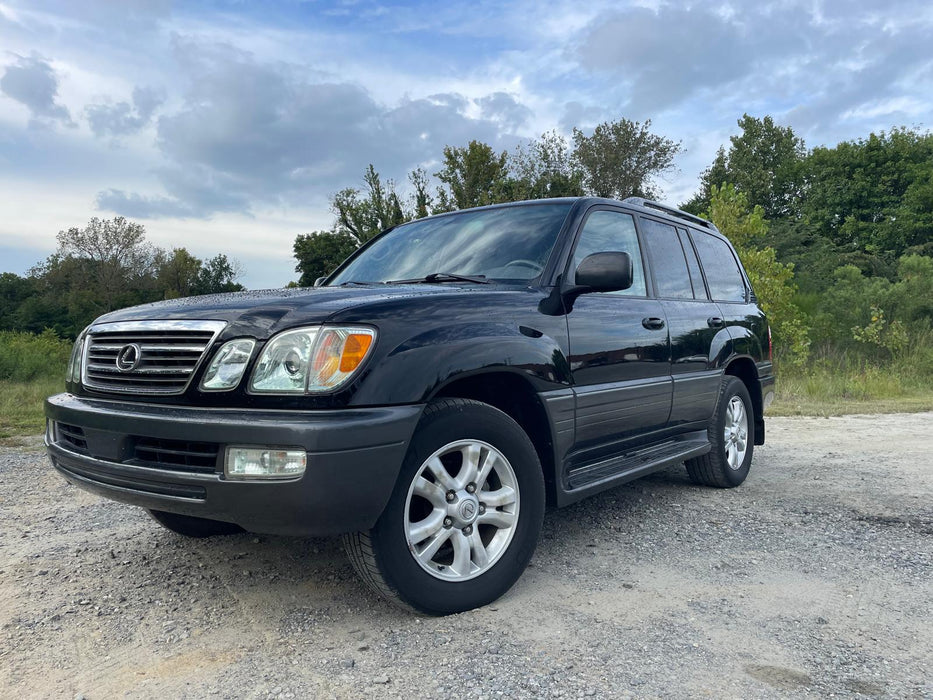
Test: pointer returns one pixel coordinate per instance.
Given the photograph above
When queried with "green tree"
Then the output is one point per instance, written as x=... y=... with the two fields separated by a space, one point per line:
x=545 y=168
x=359 y=215
x=177 y=273
x=846 y=305
x=717 y=174
x=421 y=198
x=14 y=291
x=472 y=176
x=772 y=281
x=874 y=194
x=365 y=214
x=911 y=296
x=218 y=275
x=65 y=297
x=763 y=162
x=619 y=159
x=117 y=254
x=319 y=253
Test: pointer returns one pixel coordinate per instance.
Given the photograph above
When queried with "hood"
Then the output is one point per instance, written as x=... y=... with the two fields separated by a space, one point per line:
x=264 y=312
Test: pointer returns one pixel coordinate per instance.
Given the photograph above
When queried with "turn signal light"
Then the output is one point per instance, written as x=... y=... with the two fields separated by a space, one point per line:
x=338 y=353
x=354 y=351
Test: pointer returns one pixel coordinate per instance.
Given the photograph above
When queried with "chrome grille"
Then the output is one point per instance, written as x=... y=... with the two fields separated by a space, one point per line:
x=164 y=354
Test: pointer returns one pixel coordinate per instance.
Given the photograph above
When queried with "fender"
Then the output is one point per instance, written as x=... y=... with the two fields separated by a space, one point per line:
x=745 y=342
x=422 y=365
x=722 y=349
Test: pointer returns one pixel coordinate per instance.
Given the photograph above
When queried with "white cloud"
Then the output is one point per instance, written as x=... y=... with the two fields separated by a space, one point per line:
x=202 y=122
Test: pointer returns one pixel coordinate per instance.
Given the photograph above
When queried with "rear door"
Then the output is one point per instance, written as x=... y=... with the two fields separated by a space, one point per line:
x=619 y=348
x=697 y=329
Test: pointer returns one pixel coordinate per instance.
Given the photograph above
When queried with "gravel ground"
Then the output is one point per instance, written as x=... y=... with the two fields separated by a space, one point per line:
x=814 y=578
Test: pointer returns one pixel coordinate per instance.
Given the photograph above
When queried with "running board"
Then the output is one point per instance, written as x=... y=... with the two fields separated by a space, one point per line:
x=589 y=478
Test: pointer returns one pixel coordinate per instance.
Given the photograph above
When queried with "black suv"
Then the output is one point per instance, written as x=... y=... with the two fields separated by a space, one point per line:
x=431 y=395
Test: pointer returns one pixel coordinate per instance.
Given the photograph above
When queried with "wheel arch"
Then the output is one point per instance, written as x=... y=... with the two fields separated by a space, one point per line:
x=515 y=396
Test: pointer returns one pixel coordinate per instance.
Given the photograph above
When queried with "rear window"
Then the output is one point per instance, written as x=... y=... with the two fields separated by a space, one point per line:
x=722 y=271
x=667 y=260
x=696 y=277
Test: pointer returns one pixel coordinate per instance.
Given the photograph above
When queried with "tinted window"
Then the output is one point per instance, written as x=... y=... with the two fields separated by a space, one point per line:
x=722 y=271
x=696 y=277
x=612 y=231
x=508 y=243
x=667 y=260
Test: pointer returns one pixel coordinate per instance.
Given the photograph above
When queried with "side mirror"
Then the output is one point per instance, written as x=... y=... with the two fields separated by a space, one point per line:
x=320 y=280
x=604 y=272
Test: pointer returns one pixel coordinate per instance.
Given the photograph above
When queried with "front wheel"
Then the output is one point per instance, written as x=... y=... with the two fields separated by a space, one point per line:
x=731 y=434
x=464 y=517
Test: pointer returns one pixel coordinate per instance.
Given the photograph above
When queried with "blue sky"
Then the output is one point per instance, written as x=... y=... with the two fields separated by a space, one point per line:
x=225 y=126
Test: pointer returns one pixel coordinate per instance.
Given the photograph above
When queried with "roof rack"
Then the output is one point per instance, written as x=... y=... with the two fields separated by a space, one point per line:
x=673 y=211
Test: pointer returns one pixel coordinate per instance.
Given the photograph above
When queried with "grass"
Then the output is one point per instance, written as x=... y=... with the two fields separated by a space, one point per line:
x=21 y=411
x=31 y=368
x=837 y=391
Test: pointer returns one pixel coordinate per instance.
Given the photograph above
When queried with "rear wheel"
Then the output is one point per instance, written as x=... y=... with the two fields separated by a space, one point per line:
x=731 y=434
x=464 y=517
x=190 y=526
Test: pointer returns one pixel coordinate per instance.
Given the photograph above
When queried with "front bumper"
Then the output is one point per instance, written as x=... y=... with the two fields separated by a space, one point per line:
x=354 y=457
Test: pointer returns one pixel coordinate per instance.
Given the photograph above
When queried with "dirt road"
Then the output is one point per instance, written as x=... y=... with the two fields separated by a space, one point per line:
x=815 y=577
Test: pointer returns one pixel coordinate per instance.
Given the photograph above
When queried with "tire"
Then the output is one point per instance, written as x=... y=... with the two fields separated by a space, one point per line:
x=190 y=526
x=444 y=543
x=731 y=434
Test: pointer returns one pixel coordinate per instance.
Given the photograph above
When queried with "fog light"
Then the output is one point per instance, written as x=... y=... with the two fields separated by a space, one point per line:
x=264 y=463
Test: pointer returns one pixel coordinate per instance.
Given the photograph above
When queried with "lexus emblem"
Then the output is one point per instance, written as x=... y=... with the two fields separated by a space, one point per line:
x=128 y=357
x=467 y=510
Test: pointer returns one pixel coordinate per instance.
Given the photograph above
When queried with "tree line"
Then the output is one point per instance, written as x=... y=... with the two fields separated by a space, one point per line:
x=841 y=237
x=619 y=159
x=837 y=241
x=106 y=265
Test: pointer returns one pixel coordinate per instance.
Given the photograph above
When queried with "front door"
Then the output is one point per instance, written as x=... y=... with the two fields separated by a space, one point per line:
x=619 y=346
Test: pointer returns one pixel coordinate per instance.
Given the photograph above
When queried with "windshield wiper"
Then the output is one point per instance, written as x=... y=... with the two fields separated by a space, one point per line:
x=443 y=277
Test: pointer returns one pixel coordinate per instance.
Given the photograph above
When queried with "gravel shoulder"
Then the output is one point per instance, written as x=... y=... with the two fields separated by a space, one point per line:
x=814 y=577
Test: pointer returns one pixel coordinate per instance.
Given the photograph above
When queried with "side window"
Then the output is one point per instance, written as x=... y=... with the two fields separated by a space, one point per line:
x=612 y=231
x=722 y=271
x=667 y=260
x=696 y=277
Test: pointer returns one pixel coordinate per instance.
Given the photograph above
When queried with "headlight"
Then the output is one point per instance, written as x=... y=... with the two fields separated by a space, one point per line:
x=311 y=360
x=73 y=373
x=226 y=369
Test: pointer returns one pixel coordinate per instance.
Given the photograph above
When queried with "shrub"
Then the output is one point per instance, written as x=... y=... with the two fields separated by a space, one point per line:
x=28 y=356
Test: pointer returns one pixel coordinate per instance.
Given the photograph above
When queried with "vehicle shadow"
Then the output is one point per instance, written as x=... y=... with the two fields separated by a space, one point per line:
x=295 y=583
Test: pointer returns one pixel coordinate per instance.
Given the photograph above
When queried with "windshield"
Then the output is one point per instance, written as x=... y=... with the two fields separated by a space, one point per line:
x=505 y=243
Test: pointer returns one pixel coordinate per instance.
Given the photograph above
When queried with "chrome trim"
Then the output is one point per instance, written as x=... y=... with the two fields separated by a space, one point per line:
x=214 y=327
x=166 y=325
x=168 y=476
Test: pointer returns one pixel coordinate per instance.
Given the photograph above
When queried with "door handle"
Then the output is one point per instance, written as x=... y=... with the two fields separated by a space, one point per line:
x=652 y=323
x=715 y=322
